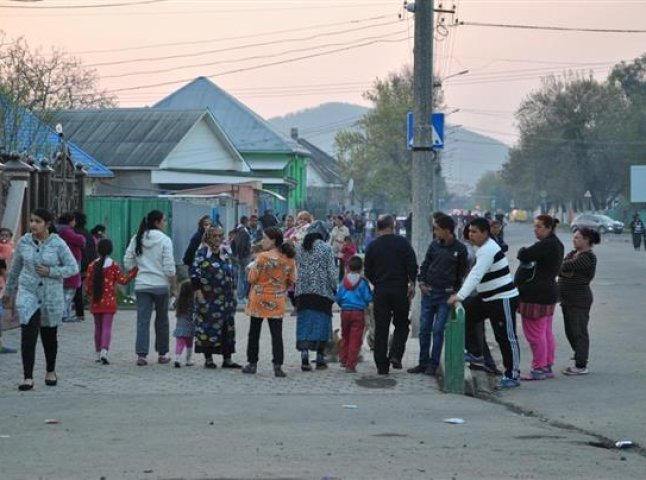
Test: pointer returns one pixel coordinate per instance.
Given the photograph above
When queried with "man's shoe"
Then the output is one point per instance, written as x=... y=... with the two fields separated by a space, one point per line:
x=321 y=366
x=575 y=371
x=142 y=362
x=250 y=368
x=431 y=370
x=163 y=359
x=396 y=363
x=278 y=371
x=230 y=364
x=382 y=371
x=306 y=367
x=417 y=369
x=506 y=382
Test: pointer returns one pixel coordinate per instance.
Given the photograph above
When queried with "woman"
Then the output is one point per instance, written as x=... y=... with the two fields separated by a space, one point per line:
x=303 y=221
x=202 y=225
x=66 y=229
x=315 y=294
x=269 y=276
x=289 y=227
x=539 y=294
x=577 y=272
x=215 y=305
x=152 y=252
x=40 y=263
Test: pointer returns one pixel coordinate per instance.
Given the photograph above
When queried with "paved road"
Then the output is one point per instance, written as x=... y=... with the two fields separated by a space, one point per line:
x=122 y=421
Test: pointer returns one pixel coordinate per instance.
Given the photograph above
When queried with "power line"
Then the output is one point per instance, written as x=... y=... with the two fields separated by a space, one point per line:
x=103 y=5
x=550 y=27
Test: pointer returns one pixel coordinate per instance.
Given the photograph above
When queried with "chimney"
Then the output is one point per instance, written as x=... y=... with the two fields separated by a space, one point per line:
x=294 y=133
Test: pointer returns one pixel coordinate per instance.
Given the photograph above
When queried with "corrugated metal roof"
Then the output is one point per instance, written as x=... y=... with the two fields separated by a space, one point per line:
x=40 y=140
x=128 y=137
x=247 y=130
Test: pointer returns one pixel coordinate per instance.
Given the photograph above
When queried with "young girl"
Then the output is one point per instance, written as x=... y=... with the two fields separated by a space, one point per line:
x=184 y=328
x=103 y=275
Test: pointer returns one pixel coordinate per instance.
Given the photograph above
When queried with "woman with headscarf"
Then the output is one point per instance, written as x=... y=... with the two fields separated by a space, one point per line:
x=215 y=305
x=315 y=294
x=40 y=263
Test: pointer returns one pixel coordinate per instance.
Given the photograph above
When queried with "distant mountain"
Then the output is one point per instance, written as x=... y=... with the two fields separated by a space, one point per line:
x=466 y=157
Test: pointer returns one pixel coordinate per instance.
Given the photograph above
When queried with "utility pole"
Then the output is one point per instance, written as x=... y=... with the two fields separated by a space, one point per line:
x=423 y=172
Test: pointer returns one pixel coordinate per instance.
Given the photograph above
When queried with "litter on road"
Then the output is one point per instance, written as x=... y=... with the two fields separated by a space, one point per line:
x=454 y=421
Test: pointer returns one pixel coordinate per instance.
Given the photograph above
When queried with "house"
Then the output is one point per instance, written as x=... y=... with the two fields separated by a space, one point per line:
x=280 y=161
x=325 y=186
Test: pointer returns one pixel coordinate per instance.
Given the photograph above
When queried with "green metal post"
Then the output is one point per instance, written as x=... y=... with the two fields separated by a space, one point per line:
x=454 y=352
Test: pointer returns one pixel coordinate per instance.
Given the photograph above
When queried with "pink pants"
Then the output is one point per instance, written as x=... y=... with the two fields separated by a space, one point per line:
x=102 y=331
x=538 y=332
x=181 y=343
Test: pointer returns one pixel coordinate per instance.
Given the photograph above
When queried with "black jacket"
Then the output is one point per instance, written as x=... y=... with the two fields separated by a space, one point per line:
x=390 y=263
x=548 y=255
x=444 y=266
x=193 y=245
x=242 y=243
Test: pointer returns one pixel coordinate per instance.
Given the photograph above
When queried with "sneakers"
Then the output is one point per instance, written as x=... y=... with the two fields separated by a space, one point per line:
x=534 y=374
x=506 y=382
x=575 y=371
x=417 y=369
x=142 y=362
x=104 y=357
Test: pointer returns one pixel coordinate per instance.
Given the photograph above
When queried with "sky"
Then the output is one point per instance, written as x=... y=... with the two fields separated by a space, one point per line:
x=281 y=56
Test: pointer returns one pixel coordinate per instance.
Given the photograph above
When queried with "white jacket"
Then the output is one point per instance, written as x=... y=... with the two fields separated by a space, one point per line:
x=156 y=262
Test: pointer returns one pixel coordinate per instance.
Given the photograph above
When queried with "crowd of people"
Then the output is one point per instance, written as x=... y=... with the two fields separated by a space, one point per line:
x=306 y=266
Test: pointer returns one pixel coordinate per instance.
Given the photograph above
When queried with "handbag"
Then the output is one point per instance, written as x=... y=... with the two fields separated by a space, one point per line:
x=525 y=273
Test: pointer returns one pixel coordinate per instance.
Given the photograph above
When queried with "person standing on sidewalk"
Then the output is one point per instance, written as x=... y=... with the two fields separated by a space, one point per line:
x=270 y=274
x=151 y=250
x=103 y=275
x=391 y=267
x=440 y=275
x=577 y=271
x=35 y=285
x=497 y=300
x=638 y=231
x=539 y=295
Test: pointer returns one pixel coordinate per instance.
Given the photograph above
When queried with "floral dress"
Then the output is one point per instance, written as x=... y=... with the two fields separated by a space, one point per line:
x=214 y=317
x=269 y=277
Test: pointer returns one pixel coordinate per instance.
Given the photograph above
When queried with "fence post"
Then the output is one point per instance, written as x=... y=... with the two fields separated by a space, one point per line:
x=454 y=351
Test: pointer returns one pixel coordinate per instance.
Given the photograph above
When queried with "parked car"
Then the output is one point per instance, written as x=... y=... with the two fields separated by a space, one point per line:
x=518 y=215
x=600 y=223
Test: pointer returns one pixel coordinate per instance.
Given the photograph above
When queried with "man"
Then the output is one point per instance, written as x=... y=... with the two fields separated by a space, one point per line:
x=497 y=236
x=242 y=256
x=497 y=300
x=268 y=219
x=391 y=267
x=638 y=230
x=255 y=229
x=440 y=275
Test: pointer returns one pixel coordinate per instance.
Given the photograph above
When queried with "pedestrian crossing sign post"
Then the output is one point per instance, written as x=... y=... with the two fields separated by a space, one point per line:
x=437 y=126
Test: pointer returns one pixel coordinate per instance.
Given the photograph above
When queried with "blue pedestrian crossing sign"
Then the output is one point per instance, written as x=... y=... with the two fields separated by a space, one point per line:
x=437 y=126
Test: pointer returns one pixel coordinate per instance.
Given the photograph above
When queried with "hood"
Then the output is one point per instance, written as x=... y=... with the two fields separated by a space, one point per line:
x=351 y=280
x=152 y=238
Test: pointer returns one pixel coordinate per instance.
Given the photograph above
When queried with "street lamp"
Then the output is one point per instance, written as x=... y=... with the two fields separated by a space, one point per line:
x=438 y=83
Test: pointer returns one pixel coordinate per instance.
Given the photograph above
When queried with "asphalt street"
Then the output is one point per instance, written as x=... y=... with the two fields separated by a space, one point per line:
x=126 y=422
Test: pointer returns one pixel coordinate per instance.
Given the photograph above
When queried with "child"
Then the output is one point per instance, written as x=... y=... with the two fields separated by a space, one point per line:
x=103 y=275
x=348 y=250
x=6 y=245
x=3 y=273
x=353 y=296
x=184 y=328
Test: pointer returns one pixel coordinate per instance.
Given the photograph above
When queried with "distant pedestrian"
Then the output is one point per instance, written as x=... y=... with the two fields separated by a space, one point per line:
x=353 y=296
x=103 y=276
x=337 y=240
x=577 y=271
x=348 y=250
x=76 y=243
x=441 y=274
x=638 y=231
x=3 y=275
x=196 y=240
x=391 y=267
x=152 y=251
x=98 y=232
x=184 y=326
x=315 y=294
x=6 y=245
x=497 y=300
x=215 y=305
x=268 y=219
x=88 y=256
x=303 y=222
x=272 y=272
x=497 y=235
x=41 y=261
x=539 y=295
x=255 y=229
x=241 y=247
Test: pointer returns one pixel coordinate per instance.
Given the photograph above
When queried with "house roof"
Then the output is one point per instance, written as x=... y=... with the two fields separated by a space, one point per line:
x=40 y=140
x=324 y=164
x=248 y=131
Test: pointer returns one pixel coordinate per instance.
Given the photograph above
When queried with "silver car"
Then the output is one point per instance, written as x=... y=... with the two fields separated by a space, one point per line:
x=600 y=223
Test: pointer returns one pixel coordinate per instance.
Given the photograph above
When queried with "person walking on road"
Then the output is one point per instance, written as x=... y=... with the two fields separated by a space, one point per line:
x=103 y=275
x=315 y=294
x=151 y=250
x=443 y=269
x=272 y=272
x=35 y=285
x=391 y=267
x=539 y=294
x=638 y=231
x=215 y=305
x=497 y=300
x=577 y=271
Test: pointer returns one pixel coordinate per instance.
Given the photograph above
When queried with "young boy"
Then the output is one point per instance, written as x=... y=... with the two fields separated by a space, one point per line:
x=3 y=273
x=353 y=296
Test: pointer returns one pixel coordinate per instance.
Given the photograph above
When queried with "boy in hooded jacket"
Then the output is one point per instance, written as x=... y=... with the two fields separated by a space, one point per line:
x=353 y=296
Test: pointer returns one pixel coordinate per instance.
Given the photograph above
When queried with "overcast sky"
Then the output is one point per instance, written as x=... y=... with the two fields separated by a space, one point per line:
x=349 y=44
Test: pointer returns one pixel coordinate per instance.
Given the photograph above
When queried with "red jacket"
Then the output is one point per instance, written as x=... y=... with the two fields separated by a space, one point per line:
x=112 y=275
